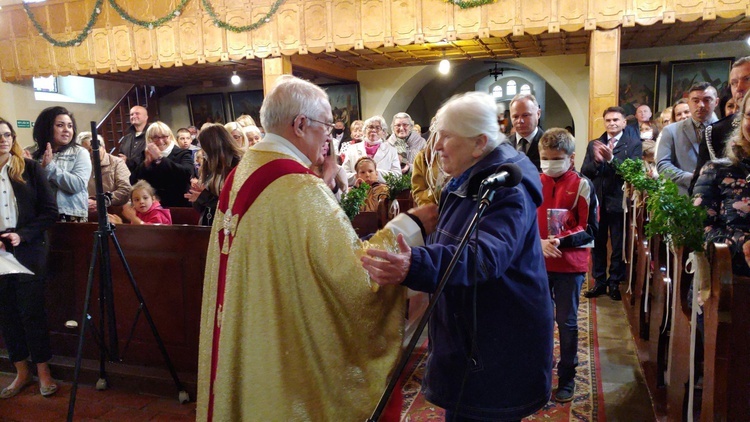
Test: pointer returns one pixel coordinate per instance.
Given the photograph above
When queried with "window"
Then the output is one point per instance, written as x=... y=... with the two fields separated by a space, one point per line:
x=497 y=91
x=67 y=89
x=511 y=88
x=48 y=84
x=525 y=89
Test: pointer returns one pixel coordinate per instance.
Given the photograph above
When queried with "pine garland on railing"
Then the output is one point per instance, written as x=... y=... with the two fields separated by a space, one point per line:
x=70 y=43
x=226 y=25
x=149 y=24
x=468 y=4
x=672 y=215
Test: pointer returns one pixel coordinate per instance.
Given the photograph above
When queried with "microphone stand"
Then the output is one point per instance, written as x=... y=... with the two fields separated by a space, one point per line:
x=484 y=203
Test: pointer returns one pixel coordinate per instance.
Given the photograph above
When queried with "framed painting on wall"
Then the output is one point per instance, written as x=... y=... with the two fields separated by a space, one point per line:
x=246 y=102
x=685 y=73
x=206 y=108
x=344 y=100
x=639 y=84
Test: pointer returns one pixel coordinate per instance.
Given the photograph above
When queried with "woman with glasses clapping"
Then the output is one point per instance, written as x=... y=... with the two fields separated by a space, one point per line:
x=166 y=167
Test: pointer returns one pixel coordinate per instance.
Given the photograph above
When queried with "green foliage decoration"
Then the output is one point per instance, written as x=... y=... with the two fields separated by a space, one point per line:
x=468 y=4
x=354 y=199
x=226 y=25
x=397 y=184
x=672 y=215
x=149 y=24
x=72 y=42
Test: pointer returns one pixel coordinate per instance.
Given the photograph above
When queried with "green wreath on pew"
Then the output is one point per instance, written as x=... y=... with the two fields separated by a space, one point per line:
x=672 y=215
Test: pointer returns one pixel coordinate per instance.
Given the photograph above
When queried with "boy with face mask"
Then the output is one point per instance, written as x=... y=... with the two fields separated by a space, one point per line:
x=567 y=224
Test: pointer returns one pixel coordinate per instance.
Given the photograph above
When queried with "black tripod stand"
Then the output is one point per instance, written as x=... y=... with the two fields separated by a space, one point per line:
x=100 y=254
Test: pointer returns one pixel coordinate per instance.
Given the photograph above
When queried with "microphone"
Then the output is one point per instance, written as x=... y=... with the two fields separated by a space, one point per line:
x=506 y=175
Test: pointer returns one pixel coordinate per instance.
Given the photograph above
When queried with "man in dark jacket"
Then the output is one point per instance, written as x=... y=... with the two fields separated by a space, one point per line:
x=133 y=143
x=525 y=114
x=599 y=165
x=716 y=135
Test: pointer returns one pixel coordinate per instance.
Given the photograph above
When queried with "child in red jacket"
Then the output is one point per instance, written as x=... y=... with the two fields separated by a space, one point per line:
x=567 y=221
x=144 y=207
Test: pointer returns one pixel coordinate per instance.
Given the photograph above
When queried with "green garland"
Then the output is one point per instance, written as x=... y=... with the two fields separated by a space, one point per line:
x=70 y=43
x=672 y=215
x=468 y=4
x=354 y=199
x=223 y=24
x=149 y=24
x=397 y=184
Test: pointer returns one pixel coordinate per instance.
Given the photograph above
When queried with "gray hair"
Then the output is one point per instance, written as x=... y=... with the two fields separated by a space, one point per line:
x=470 y=114
x=289 y=98
x=739 y=62
x=401 y=115
x=86 y=137
x=520 y=97
x=375 y=119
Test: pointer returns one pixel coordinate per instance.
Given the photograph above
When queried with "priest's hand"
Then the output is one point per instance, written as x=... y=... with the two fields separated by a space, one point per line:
x=428 y=215
x=386 y=267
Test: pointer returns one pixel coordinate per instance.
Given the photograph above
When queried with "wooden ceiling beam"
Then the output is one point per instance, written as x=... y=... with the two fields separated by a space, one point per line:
x=323 y=68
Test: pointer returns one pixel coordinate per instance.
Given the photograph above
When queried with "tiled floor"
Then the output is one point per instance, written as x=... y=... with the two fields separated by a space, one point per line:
x=91 y=405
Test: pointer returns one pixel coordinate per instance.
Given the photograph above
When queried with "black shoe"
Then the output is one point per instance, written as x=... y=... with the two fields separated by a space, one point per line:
x=565 y=391
x=596 y=291
x=614 y=293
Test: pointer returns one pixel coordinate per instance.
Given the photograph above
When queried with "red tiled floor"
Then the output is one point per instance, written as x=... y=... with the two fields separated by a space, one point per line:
x=91 y=405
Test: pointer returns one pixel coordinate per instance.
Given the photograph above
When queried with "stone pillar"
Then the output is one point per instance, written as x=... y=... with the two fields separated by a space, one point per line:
x=604 y=76
x=273 y=67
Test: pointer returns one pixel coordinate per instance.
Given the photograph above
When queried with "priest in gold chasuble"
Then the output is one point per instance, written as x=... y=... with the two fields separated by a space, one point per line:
x=292 y=329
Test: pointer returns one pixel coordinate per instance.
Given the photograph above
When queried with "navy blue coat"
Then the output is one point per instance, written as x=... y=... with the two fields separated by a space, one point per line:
x=504 y=357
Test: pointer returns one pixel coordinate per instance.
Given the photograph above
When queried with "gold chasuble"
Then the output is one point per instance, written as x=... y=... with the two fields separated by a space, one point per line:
x=300 y=334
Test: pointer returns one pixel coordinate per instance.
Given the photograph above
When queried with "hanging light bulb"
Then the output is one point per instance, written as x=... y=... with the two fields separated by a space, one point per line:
x=235 y=78
x=445 y=66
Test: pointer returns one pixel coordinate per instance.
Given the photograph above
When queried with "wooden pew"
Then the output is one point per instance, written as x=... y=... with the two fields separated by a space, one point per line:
x=726 y=377
x=678 y=366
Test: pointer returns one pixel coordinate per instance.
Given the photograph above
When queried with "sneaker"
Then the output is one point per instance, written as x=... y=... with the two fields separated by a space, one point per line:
x=565 y=392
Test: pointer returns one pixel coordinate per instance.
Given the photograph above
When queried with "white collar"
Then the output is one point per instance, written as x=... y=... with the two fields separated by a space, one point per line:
x=275 y=143
x=527 y=138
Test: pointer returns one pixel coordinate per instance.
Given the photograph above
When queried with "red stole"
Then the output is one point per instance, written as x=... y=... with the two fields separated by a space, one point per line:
x=248 y=193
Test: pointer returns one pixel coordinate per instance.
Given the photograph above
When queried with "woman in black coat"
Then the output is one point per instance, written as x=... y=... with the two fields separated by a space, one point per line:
x=166 y=166
x=27 y=209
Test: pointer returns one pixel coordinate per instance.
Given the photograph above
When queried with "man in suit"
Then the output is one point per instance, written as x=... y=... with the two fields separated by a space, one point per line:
x=599 y=165
x=525 y=114
x=716 y=135
x=677 y=154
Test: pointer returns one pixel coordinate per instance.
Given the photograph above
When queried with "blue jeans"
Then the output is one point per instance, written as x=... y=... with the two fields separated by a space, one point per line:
x=566 y=291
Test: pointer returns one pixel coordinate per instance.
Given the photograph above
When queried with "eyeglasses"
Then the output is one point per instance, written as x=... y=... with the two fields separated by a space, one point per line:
x=7 y=135
x=155 y=137
x=377 y=128
x=328 y=126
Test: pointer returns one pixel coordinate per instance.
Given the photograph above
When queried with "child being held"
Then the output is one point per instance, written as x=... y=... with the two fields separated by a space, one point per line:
x=144 y=207
x=367 y=172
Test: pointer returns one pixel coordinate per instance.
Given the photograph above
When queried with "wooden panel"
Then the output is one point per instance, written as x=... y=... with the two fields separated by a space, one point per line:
x=603 y=76
x=535 y=15
x=43 y=56
x=63 y=60
x=60 y=18
x=345 y=31
x=316 y=25
x=689 y=8
x=373 y=18
x=83 y=57
x=501 y=16
x=609 y=11
x=467 y=21
x=213 y=40
x=8 y=60
x=403 y=21
x=102 y=52
x=263 y=37
x=190 y=40
x=145 y=48
x=237 y=43
x=571 y=13
x=24 y=57
x=436 y=21
x=166 y=45
x=123 y=48
x=287 y=25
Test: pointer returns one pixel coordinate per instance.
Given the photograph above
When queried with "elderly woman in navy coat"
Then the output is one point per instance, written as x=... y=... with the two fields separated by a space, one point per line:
x=491 y=332
x=27 y=209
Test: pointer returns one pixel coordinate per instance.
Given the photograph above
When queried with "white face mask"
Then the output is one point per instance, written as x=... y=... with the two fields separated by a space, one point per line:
x=555 y=168
x=647 y=135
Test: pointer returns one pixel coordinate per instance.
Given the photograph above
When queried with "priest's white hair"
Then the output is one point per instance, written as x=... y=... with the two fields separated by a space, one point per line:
x=289 y=98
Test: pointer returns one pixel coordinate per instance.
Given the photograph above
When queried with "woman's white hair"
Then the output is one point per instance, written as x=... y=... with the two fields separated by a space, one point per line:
x=375 y=119
x=470 y=114
x=289 y=98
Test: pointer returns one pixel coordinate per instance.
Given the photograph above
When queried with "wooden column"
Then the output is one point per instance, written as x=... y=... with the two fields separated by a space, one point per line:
x=274 y=67
x=604 y=74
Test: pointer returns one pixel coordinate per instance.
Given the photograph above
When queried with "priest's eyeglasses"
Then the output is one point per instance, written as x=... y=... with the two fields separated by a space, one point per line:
x=328 y=126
